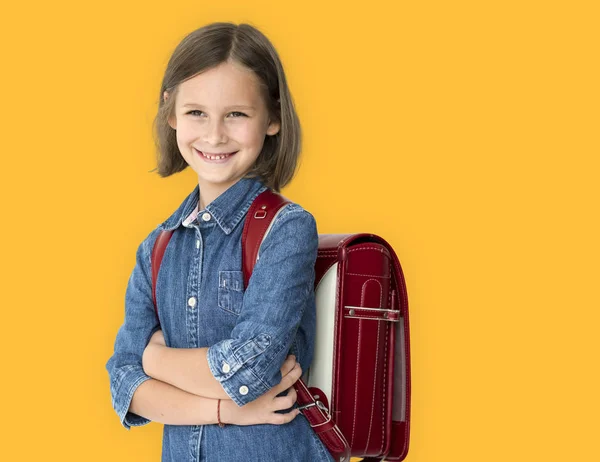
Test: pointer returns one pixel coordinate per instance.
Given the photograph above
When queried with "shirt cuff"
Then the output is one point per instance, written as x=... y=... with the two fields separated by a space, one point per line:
x=129 y=379
x=231 y=364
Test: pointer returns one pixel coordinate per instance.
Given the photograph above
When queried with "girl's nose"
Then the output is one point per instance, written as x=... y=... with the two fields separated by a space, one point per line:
x=215 y=133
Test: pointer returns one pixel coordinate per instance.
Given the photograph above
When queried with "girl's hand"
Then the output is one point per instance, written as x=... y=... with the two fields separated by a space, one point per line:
x=262 y=410
x=158 y=337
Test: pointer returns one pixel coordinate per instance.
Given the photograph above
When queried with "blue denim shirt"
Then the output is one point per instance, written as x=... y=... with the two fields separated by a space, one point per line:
x=202 y=302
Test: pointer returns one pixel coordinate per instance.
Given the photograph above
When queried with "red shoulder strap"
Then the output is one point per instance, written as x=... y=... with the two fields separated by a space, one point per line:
x=157 y=254
x=259 y=218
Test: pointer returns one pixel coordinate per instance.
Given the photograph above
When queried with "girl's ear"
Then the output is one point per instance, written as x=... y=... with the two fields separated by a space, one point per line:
x=172 y=120
x=273 y=128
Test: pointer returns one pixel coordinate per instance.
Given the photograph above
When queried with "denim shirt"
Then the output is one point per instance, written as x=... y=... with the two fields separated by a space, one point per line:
x=202 y=302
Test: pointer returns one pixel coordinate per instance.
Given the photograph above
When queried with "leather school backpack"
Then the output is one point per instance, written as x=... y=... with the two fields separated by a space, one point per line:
x=356 y=392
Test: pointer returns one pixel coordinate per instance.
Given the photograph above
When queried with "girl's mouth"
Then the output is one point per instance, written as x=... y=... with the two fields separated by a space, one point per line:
x=215 y=158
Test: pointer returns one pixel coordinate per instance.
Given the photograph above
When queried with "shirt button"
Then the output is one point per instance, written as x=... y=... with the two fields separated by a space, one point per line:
x=226 y=368
x=206 y=216
x=192 y=301
x=197 y=243
x=243 y=390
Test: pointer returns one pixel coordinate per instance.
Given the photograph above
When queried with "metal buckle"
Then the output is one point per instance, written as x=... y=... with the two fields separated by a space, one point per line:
x=321 y=406
x=317 y=403
x=260 y=214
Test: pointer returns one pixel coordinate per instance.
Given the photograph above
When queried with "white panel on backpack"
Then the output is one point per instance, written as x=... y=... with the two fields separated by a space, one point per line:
x=321 y=368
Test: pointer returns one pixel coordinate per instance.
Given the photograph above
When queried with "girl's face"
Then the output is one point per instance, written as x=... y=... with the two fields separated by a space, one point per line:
x=221 y=112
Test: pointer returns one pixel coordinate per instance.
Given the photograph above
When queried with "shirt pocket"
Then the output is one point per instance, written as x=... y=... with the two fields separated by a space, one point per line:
x=231 y=291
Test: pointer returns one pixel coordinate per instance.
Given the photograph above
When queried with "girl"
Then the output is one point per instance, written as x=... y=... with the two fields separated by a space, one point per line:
x=215 y=372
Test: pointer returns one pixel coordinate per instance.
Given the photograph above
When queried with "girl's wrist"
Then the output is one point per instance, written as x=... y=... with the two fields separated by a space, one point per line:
x=229 y=411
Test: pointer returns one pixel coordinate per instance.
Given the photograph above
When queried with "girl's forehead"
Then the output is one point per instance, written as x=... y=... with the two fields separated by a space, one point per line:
x=226 y=83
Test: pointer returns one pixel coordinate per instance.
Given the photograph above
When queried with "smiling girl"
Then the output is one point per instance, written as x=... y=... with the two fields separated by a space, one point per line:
x=217 y=369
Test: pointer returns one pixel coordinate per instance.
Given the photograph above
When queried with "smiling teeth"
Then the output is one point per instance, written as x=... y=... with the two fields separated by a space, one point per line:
x=216 y=157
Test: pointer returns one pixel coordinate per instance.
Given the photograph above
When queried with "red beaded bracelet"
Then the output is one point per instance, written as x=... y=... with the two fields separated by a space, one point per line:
x=221 y=424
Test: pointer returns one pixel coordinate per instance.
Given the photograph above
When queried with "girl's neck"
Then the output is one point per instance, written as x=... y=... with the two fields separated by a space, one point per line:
x=209 y=192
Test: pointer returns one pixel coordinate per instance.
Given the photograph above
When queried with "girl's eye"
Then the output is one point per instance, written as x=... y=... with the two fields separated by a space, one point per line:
x=235 y=112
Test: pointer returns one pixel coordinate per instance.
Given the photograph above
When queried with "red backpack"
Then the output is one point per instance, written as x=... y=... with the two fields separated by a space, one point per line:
x=356 y=392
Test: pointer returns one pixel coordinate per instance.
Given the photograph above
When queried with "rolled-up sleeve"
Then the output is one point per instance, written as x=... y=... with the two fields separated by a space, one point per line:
x=279 y=291
x=124 y=367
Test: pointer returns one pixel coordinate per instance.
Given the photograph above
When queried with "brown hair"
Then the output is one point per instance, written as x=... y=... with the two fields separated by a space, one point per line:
x=208 y=47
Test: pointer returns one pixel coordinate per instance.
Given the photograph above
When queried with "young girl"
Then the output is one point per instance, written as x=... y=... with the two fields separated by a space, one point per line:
x=215 y=370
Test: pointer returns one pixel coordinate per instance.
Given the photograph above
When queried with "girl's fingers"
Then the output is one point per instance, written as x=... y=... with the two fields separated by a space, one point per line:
x=291 y=415
x=279 y=419
x=289 y=380
x=288 y=365
x=287 y=401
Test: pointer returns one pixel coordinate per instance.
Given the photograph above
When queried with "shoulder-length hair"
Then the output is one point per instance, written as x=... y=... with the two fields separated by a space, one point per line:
x=208 y=47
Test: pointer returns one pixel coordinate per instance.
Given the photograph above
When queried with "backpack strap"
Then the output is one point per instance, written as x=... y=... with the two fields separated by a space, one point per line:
x=157 y=254
x=258 y=222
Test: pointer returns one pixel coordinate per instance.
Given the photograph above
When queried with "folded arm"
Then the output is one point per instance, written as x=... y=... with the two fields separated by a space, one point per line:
x=160 y=402
x=185 y=368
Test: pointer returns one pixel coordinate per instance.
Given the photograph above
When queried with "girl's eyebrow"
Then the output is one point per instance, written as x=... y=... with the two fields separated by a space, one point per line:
x=237 y=106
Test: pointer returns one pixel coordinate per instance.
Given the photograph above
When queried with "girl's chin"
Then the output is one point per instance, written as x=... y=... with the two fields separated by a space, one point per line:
x=214 y=178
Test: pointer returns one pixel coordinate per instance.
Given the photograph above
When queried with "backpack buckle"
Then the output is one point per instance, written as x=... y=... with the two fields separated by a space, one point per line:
x=260 y=214
x=317 y=403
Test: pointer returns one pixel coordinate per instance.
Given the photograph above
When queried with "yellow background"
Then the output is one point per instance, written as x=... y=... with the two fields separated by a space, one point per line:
x=463 y=132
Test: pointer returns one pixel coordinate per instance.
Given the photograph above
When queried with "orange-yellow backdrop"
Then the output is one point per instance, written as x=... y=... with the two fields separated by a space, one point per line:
x=464 y=132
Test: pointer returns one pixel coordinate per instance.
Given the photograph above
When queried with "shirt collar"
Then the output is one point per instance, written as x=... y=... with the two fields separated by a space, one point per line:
x=227 y=209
